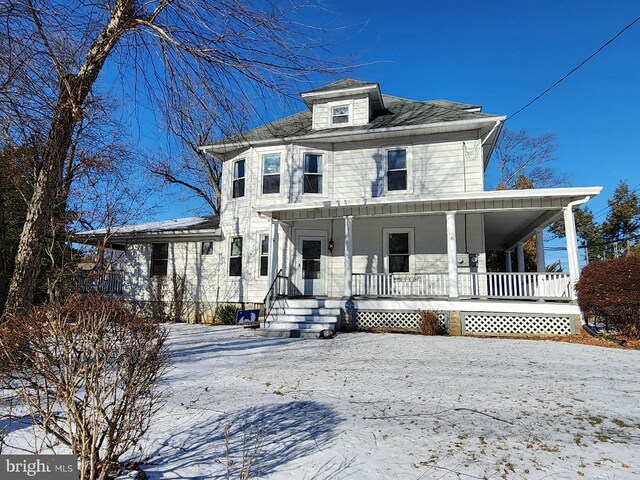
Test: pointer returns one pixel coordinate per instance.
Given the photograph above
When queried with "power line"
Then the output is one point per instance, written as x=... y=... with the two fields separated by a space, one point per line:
x=574 y=69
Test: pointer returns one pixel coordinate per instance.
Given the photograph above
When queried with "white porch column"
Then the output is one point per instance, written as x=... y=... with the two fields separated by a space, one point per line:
x=452 y=254
x=348 y=256
x=572 y=247
x=520 y=252
x=541 y=266
x=507 y=259
x=274 y=247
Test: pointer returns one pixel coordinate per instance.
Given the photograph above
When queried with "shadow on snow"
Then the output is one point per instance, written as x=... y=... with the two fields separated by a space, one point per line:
x=289 y=431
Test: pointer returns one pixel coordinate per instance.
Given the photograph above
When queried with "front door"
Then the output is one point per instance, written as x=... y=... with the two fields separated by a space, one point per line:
x=312 y=264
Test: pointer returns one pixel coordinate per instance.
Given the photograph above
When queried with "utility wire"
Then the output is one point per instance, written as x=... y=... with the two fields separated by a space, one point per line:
x=573 y=70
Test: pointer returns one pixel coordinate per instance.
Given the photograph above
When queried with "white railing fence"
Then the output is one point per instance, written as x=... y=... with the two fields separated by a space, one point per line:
x=515 y=285
x=481 y=285
x=101 y=282
x=400 y=284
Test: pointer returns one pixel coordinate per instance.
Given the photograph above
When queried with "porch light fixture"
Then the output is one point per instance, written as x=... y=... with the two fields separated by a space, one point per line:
x=331 y=246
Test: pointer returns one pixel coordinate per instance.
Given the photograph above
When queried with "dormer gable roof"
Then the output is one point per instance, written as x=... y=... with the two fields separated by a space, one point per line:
x=347 y=87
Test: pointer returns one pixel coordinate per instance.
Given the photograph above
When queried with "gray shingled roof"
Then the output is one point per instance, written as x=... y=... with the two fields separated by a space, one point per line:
x=341 y=84
x=399 y=112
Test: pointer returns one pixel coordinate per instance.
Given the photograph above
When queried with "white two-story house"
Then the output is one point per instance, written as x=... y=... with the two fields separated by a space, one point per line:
x=362 y=210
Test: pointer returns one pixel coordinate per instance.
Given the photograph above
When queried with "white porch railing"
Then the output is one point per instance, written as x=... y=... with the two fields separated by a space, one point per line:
x=401 y=284
x=101 y=282
x=515 y=285
x=524 y=286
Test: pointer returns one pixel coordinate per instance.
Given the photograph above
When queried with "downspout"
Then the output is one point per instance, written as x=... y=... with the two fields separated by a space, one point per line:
x=572 y=242
x=498 y=122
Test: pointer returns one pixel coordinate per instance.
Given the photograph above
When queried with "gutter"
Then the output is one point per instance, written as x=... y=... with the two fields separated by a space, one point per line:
x=334 y=134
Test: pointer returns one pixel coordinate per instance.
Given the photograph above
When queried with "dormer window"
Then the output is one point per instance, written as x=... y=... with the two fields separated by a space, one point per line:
x=340 y=115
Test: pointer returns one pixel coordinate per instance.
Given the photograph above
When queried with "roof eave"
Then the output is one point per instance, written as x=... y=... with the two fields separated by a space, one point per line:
x=349 y=135
x=568 y=192
x=99 y=237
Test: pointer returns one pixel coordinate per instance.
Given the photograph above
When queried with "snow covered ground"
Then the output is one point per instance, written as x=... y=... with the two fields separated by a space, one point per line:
x=388 y=406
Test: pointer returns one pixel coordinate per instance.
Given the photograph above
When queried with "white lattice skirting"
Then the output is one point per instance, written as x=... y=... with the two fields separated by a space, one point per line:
x=395 y=321
x=516 y=324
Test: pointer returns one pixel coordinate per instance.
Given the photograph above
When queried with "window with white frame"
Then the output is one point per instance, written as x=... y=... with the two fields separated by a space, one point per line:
x=398 y=246
x=312 y=181
x=238 y=178
x=340 y=115
x=396 y=169
x=264 y=255
x=235 y=257
x=271 y=173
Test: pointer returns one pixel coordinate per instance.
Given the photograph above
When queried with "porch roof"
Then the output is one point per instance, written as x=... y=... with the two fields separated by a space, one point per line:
x=510 y=215
x=206 y=227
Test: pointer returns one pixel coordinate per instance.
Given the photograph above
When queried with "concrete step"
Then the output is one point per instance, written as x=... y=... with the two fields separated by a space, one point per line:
x=316 y=327
x=289 y=318
x=288 y=333
x=334 y=312
x=309 y=303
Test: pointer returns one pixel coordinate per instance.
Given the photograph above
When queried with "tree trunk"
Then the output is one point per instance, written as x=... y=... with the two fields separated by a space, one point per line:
x=41 y=211
x=29 y=254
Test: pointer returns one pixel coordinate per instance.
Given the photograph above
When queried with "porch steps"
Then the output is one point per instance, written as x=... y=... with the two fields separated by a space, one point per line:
x=304 y=318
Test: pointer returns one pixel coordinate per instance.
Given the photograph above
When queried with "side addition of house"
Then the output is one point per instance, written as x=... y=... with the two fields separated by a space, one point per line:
x=364 y=209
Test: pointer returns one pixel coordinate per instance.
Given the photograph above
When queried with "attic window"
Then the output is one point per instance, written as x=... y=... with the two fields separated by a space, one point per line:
x=340 y=115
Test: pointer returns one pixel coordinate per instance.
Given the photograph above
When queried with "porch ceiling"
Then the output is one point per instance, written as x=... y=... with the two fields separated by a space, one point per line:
x=503 y=229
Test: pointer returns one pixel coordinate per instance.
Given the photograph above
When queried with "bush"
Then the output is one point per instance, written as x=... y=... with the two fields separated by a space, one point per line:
x=429 y=322
x=226 y=313
x=610 y=291
x=87 y=370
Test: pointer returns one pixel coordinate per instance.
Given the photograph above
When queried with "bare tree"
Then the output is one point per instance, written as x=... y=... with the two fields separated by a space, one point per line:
x=199 y=173
x=224 y=52
x=520 y=159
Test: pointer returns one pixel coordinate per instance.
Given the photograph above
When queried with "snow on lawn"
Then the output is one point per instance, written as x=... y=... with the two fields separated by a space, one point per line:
x=388 y=406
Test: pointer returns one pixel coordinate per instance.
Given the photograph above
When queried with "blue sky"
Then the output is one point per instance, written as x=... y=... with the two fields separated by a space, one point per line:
x=501 y=54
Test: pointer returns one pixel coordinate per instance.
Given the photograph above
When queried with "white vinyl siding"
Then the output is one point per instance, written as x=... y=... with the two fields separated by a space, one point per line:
x=358 y=112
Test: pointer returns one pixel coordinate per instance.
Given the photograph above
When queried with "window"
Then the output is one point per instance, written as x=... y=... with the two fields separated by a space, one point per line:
x=159 y=259
x=398 y=252
x=271 y=173
x=398 y=249
x=264 y=255
x=312 y=173
x=340 y=115
x=206 y=248
x=396 y=169
x=235 y=257
x=238 y=178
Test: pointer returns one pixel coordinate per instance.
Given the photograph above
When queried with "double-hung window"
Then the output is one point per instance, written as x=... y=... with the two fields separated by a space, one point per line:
x=340 y=115
x=238 y=178
x=235 y=257
x=312 y=173
x=396 y=169
x=159 y=259
x=264 y=255
x=271 y=173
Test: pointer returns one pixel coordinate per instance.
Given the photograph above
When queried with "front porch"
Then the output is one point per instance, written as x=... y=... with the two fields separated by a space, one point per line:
x=405 y=256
